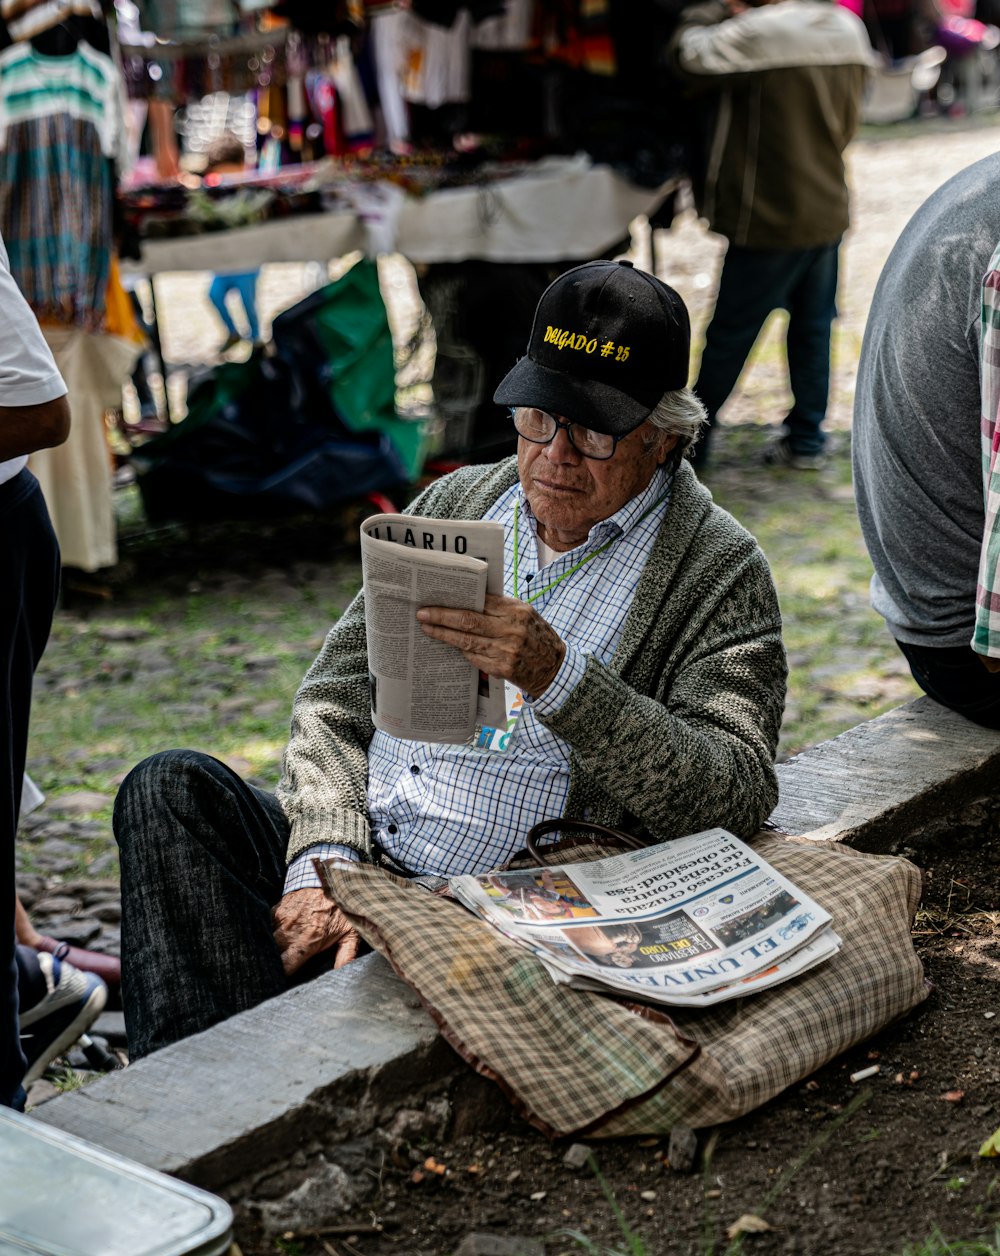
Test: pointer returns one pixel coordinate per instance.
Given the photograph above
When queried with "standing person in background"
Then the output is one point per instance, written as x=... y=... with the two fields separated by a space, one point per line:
x=788 y=78
x=33 y=415
x=226 y=155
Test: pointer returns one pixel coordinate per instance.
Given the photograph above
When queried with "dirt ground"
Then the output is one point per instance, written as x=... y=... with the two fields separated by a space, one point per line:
x=833 y=1167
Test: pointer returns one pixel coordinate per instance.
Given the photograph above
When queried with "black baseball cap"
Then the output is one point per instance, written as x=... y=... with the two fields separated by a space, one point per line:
x=606 y=343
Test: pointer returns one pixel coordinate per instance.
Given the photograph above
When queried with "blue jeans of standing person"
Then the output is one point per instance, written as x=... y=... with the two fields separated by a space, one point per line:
x=753 y=283
x=29 y=588
x=955 y=677
x=202 y=864
x=245 y=285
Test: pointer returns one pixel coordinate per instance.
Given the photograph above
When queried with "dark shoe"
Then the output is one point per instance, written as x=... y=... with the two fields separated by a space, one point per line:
x=780 y=454
x=73 y=1001
x=107 y=967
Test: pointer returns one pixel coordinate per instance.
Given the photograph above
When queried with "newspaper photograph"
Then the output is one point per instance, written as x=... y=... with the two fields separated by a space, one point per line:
x=672 y=922
x=420 y=688
x=822 y=947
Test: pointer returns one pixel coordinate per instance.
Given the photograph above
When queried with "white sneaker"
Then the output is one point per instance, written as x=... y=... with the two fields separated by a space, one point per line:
x=72 y=1002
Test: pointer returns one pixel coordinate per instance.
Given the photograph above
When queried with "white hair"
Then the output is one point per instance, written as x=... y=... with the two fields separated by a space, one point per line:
x=679 y=413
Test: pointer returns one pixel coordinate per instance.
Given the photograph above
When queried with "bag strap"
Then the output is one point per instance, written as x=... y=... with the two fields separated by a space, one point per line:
x=628 y=840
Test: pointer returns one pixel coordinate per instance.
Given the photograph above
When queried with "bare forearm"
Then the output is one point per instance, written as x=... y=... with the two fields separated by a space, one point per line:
x=25 y=429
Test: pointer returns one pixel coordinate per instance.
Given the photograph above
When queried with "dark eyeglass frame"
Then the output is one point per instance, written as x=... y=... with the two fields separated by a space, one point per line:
x=568 y=428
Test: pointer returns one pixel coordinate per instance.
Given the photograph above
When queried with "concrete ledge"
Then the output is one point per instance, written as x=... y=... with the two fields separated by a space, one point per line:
x=877 y=784
x=296 y=1090
x=335 y=1054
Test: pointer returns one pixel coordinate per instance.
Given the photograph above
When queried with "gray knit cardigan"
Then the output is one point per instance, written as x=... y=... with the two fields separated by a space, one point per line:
x=677 y=734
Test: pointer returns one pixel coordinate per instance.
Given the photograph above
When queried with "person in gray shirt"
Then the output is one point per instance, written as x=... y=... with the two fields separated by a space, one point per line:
x=916 y=443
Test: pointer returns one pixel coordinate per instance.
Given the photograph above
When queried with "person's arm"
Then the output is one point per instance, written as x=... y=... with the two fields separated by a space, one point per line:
x=324 y=783
x=702 y=757
x=34 y=413
x=324 y=780
x=986 y=636
x=25 y=429
x=692 y=52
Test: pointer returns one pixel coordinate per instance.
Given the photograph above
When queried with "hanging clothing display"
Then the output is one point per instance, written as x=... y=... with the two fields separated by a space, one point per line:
x=61 y=128
x=436 y=61
x=62 y=132
x=387 y=26
x=76 y=477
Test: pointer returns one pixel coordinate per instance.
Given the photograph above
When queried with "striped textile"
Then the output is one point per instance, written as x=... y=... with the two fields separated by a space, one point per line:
x=61 y=120
x=580 y=1063
x=55 y=215
x=85 y=85
x=986 y=636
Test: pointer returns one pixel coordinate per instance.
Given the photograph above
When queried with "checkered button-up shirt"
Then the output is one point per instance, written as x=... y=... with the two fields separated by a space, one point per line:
x=986 y=638
x=455 y=809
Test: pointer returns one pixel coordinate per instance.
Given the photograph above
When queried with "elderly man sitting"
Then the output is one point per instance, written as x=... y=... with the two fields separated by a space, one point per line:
x=640 y=624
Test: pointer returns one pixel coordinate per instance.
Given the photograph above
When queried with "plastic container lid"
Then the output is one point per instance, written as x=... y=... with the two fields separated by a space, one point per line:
x=62 y=1196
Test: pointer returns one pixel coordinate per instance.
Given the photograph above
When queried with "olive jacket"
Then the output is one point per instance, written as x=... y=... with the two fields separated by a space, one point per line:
x=787 y=80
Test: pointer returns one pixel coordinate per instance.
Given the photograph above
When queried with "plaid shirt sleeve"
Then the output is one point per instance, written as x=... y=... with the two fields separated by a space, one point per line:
x=986 y=638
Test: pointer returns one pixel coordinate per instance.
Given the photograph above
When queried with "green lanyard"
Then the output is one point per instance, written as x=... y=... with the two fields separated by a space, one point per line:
x=583 y=561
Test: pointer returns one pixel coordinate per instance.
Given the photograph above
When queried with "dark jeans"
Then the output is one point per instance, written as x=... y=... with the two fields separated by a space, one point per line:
x=202 y=864
x=954 y=676
x=29 y=580
x=753 y=283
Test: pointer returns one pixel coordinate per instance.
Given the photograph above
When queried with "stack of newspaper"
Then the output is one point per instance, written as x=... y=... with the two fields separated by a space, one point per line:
x=689 y=922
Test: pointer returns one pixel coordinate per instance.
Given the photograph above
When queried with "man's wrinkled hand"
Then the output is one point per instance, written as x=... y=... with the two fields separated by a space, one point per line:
x=307 y=922
x=509 y=639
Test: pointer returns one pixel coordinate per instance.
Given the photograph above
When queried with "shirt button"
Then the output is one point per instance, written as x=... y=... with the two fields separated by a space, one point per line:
x=414 y=769
x=391 y=828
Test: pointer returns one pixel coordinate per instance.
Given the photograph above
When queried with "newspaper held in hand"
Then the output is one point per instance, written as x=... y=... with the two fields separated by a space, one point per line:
x=422 y=689
x=688 y=922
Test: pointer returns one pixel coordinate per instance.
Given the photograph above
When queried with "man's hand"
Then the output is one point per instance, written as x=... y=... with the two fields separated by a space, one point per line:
x=508 y=639
x=307 y=922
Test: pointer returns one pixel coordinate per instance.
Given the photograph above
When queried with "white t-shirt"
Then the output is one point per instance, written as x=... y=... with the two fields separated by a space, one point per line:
x=28 y=372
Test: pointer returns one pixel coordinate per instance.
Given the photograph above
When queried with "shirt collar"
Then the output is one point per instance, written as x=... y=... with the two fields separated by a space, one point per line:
x=622 y=521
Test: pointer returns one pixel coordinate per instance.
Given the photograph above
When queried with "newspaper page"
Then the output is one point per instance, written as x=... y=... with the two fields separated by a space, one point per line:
x=822 y=947
x=689 y=921
x=423 y=689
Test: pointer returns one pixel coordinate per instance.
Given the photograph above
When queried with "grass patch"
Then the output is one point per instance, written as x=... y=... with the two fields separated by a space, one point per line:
x=937 y=1245
x=843 y=665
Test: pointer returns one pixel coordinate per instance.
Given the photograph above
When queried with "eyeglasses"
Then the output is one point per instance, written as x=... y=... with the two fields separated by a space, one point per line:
x=540 y=427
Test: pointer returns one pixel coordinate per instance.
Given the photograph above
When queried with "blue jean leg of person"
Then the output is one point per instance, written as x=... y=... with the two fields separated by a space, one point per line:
x=754 y=283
